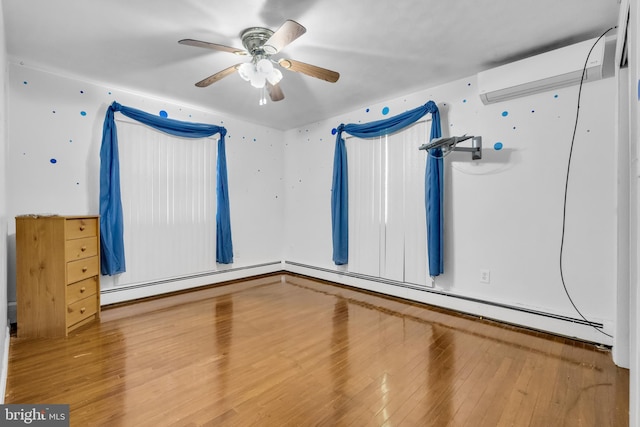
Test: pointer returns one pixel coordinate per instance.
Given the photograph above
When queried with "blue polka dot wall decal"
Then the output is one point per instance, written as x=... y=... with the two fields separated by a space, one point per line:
x=334 y=131
x=83 y=113
x=497 y=146
x=367 y=110
x=464 y=101
x=53 y=161
x=555 y=96
x=385 y=111
x=81 y=91
x=24 y=82
x=163 y=113
x=505 y=113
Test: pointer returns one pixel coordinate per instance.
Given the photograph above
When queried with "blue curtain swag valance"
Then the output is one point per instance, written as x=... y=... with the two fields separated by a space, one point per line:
x=111 y=220
x=433 y=183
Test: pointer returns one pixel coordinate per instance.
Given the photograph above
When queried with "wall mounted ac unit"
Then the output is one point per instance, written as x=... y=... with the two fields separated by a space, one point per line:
x=551 y=70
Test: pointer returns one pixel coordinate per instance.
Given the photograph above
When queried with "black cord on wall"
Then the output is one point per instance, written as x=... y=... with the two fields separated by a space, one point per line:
x=566 y=186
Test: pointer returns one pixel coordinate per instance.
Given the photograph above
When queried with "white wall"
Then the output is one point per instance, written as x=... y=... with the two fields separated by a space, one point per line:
x=634 y=196
x=61 y=117
x=4 y=333
x=503 y=213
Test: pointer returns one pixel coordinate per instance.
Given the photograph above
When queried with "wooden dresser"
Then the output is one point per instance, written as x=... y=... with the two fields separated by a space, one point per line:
x=57 y=274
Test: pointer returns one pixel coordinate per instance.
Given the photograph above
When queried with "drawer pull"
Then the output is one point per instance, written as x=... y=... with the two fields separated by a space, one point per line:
x=82 y=227
x=84 y=269
x=82 y=310
x=84 y=248
x=82 y=289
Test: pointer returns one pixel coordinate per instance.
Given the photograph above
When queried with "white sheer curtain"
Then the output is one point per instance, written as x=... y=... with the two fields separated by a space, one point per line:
x=169 y=203
x=387 y=223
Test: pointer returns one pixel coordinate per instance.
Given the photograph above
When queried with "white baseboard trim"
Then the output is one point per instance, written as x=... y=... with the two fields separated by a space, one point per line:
x=136 y=291
x=539 y=320
x=5 y=364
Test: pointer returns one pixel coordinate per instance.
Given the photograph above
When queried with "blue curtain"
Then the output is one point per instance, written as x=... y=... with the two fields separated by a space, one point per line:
x=111 y=223
x=434 y=192
x=433 y=189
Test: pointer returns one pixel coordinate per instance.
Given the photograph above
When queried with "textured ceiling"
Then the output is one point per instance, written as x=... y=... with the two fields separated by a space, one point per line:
x=382 y=50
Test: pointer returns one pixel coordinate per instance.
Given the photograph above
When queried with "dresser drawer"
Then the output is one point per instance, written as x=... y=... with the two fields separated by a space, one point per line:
x=82 y=269
x=80 y=310
x=81 y=248
x=83 y=289
x=81 y=227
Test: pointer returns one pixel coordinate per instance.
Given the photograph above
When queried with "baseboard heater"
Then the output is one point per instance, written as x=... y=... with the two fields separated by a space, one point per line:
x=412 y=286
x=445 y=294
x=186 y=277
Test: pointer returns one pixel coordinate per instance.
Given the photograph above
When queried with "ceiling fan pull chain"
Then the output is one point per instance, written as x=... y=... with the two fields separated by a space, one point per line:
x=263 y=96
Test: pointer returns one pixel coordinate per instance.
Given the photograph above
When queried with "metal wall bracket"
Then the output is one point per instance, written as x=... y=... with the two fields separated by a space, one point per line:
x=451 y=144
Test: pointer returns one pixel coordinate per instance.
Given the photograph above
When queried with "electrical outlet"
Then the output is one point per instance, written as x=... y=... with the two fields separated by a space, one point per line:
x=485 y=276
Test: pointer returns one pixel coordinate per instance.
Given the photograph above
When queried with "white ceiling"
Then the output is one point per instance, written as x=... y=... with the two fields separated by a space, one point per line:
x=382 y=50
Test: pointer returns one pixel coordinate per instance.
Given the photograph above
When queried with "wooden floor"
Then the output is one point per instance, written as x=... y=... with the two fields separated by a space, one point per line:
x=288 y=351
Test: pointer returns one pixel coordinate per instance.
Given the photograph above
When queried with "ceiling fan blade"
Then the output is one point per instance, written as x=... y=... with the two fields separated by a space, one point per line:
x=310 y=70
x=275 y=92
x=217 y=76
x=214 y=46
x=288 y=32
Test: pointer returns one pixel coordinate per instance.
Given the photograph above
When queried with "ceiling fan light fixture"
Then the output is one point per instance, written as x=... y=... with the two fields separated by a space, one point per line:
x=260 y=73
x=245 y=71
x=264 y=66
x=274 y=77
x=258 y=80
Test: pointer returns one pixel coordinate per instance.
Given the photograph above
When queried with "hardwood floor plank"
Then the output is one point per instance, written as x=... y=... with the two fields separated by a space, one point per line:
x=285 y=350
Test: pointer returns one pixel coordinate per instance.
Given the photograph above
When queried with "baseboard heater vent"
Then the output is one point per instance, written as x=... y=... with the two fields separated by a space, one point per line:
x=186 y=277
x=445 y=294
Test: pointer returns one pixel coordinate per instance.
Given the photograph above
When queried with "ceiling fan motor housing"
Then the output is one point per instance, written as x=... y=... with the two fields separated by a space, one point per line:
x=254 y=39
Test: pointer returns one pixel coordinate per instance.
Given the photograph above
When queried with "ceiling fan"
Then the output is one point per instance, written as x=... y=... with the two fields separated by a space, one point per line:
x=261 y=43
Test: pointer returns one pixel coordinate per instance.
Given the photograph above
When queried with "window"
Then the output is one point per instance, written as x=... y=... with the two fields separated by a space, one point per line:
x=168 y=187
x=387 y=223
